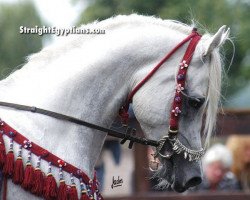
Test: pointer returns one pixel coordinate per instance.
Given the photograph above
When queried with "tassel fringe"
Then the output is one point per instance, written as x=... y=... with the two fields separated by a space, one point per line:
x=62 y=191
x=34 y=180
x=84 y=195
x=37 y=188
x=8 y=168
x=28 y=177
x=2 y=152
x=72 y=195
x=50 y=187
x=18 y=175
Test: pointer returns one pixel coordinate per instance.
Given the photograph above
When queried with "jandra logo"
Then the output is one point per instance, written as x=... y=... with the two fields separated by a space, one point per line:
x=116 y=182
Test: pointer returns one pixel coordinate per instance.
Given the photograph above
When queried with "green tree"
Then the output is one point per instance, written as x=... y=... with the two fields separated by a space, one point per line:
x=14 y=47
x=210 y=15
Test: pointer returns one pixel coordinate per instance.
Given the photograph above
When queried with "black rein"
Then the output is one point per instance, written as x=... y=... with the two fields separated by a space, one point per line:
x=130 y=133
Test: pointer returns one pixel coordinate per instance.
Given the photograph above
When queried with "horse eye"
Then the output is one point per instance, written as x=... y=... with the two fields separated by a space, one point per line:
x=196 y=102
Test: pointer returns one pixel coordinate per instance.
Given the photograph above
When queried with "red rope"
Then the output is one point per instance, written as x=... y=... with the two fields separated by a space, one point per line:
x=177 y=103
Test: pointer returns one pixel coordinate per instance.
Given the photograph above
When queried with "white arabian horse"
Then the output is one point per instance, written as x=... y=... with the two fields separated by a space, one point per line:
x=90 y=76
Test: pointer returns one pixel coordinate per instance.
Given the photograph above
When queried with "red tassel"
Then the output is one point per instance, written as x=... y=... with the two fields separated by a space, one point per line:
x=8 y=168
x=28 y=174
x=72 y=194
x=2 y=152
x=62 y=191
x=18 y=175
x=50 y=187
x=84 y=195
x=38 y=178
x=28 y=177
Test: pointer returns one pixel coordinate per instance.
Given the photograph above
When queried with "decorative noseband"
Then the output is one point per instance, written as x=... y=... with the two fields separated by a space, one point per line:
x=171 y=137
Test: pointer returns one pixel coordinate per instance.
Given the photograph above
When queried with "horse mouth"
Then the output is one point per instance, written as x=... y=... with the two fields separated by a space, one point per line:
x=173 y=182
x=176 y=171
x=171 y=177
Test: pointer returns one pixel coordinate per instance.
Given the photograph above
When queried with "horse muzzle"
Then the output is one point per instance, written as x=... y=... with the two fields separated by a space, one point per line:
x=186 y=174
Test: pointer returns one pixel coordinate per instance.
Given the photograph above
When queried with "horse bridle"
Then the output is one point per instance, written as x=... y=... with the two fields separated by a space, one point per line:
x=171 y=136
x=130 y=133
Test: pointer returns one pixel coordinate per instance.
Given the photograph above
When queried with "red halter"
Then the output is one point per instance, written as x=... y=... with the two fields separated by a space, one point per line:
x=194 y=38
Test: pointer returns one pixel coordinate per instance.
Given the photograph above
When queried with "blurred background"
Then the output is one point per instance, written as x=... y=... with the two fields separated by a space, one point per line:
x=117 y=160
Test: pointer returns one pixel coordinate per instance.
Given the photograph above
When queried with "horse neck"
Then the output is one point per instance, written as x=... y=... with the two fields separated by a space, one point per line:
x=84 y=98
x=91 y=87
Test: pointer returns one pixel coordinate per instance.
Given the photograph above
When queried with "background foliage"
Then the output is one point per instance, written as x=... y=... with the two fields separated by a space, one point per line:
x=14 y=47
x=209 y=15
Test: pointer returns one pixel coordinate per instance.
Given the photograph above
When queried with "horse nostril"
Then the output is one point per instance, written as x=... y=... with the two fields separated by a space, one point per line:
x=193 y=182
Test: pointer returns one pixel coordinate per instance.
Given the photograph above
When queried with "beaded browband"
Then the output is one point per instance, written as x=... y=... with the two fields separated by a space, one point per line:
x=33 y=179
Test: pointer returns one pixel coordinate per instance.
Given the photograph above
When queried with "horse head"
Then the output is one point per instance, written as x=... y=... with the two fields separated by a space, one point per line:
x=153 y=104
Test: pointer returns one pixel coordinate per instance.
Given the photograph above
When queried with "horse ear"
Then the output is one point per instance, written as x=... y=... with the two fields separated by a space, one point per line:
x=217 y=40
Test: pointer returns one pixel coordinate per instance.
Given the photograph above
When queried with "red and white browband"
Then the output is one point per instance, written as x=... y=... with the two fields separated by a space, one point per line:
x=33 y=179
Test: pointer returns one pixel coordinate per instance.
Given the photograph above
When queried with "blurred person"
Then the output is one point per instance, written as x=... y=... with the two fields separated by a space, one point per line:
x=217 y=175
x=240 y=148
